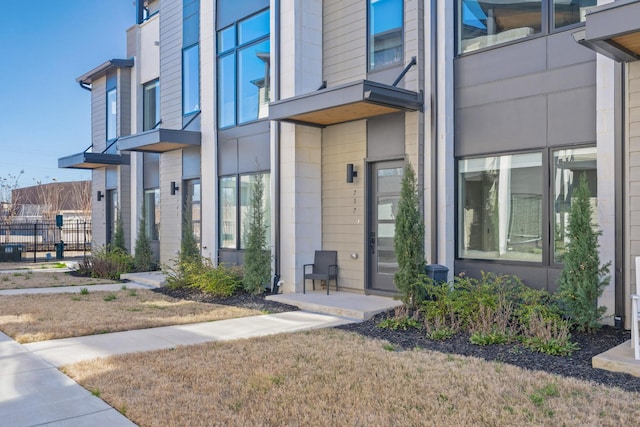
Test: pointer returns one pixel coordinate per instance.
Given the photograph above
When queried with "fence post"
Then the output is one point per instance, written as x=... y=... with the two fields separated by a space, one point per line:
x=35 y=240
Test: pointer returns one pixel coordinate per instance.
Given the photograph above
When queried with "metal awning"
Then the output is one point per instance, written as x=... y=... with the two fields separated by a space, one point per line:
x=613 y=30
x=160 y=140
x=345 y=103
x=87 y=160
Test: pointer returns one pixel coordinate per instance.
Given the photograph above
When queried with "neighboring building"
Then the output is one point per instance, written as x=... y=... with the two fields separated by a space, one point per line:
x=40 y=202
x=499 y=106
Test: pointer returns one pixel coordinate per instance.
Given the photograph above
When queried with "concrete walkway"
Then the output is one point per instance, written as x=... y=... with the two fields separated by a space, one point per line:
x=33 y=392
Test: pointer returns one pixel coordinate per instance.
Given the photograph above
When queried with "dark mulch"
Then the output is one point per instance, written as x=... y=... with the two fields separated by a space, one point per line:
x=578 y=365
x=255 y=302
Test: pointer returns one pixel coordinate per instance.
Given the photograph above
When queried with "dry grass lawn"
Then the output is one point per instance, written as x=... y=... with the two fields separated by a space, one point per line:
x=29 y=318
x=30 y=279
x=335 y=378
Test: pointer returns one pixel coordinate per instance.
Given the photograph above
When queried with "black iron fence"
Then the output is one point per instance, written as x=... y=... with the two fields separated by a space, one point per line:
x=38 y=238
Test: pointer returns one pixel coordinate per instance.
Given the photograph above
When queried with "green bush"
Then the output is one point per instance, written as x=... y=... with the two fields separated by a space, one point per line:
x=143 y=258
x=106 y=263
x=201 y=274
x=257 y=257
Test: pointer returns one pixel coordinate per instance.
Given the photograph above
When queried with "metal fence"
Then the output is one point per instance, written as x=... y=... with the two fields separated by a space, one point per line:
x=41 y=237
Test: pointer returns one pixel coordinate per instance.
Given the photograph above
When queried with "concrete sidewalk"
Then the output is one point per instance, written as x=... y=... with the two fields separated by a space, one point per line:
x=73 y=289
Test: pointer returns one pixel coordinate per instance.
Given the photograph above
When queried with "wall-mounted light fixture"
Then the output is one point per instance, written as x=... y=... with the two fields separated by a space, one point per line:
x=100 y=195
x=351 y=173
x=174 y=188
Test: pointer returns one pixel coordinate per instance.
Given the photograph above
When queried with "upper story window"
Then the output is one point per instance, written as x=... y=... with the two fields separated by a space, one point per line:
x=112 y=114
x=484 y=23
x=151 y=105
x=190 y=57
x=243 y=70
x=385 y=33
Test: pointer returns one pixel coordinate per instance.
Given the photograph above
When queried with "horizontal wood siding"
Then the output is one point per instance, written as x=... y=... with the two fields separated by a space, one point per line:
x=171 y=65
x=344 y=41
x=343 y=204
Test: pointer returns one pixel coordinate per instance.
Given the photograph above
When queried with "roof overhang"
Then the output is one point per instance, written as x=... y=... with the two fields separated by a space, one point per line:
x=160 y=140
x=92 y=160
x=613 y=30
x=345 y=103
x=102 y=69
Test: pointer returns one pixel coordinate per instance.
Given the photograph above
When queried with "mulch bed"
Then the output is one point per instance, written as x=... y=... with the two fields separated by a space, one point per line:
x=578 y=365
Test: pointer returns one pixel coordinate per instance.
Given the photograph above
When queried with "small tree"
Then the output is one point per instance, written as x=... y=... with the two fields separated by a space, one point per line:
x=143 y=259
x=408 y=240
x=189 y=251
x=257 y=258
x=583 y=277
x=118 y=236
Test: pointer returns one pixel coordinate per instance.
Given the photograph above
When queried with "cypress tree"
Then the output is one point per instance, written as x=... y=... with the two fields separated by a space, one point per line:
x=408 y=240
x=257 y=258
x=143 y=258
x=583 y=277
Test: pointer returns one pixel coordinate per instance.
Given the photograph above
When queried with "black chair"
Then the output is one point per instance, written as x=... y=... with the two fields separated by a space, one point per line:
x=324 y=267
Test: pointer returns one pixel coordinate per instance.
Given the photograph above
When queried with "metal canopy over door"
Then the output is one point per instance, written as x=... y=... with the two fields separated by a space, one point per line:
x=385 y=183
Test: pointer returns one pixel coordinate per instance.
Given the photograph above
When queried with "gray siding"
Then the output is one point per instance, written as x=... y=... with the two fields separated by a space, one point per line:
x=533 y=94
x=98 y=115
x=124 y=102
x=171 y=65
x=344 y=40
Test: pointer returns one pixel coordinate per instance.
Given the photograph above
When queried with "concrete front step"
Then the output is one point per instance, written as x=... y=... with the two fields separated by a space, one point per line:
x=344 y=304
x=618 y=359
x=150 y=278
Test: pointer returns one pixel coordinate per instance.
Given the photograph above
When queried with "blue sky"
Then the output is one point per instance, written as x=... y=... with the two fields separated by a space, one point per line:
x=44 y=46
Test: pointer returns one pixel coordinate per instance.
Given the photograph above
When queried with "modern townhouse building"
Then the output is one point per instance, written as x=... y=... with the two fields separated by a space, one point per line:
x=499 y=105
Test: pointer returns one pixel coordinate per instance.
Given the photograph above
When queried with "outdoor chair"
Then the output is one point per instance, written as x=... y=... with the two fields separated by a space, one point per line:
x=324 y=267
x=635 y=315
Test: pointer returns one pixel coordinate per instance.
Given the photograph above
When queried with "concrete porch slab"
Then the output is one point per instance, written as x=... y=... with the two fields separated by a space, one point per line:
x=151 y=278
x=618 y=359
x=343 y=304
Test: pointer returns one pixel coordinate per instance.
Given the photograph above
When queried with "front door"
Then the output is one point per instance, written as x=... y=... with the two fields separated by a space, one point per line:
x=385 y=184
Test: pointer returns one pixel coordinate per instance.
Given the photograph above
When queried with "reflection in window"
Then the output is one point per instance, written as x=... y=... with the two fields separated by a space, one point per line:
x=191 y=80
x=567 y=12
x=234 y=208
x=500 y=207
x=152 y=213
x=243 y=71
x=151 y=105
x=112 y=111
x=192 y=212
x=385 y=33
x=228 y=204
x=487 y=23
x=569 y=165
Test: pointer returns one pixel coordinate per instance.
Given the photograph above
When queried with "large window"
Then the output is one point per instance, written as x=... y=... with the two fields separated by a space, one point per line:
x=190 y=57
x=192 y=211
x=500 y=207
x=235 y=199
x=151 y=105
x=152 y=213
x=484 y=23
x=568 y=166
x=385 y=33
x=112 y=114
x=243 y=71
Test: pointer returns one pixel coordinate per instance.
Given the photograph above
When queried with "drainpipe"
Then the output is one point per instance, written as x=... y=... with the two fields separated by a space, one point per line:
x=276 y=172
x=433 y=98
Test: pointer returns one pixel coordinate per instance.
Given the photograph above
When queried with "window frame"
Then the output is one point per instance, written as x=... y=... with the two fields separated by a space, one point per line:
x=373 y=69
x=152 y=84
x=547 y=27
x=547 y=211
x=149 y=226
x=239 y=215
x=185 y=112
x=233 y=52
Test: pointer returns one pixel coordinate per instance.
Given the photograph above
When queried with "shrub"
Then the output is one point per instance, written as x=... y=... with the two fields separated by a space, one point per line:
x=201 y=274
x=118 y=236
x=143 y=255
x=108 y=264
x=550 y=336
x=257 y=258
x=583 y=277
x=408 y=240
x=401 y=320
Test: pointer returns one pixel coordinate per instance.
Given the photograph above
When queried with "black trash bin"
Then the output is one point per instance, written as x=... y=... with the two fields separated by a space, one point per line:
x=59 y=250
x=10 y=252
x=436 y=272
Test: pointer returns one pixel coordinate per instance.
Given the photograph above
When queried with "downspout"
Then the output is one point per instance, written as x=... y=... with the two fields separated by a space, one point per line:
x=618 y=274
x=433 y=98
x=276 y=150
